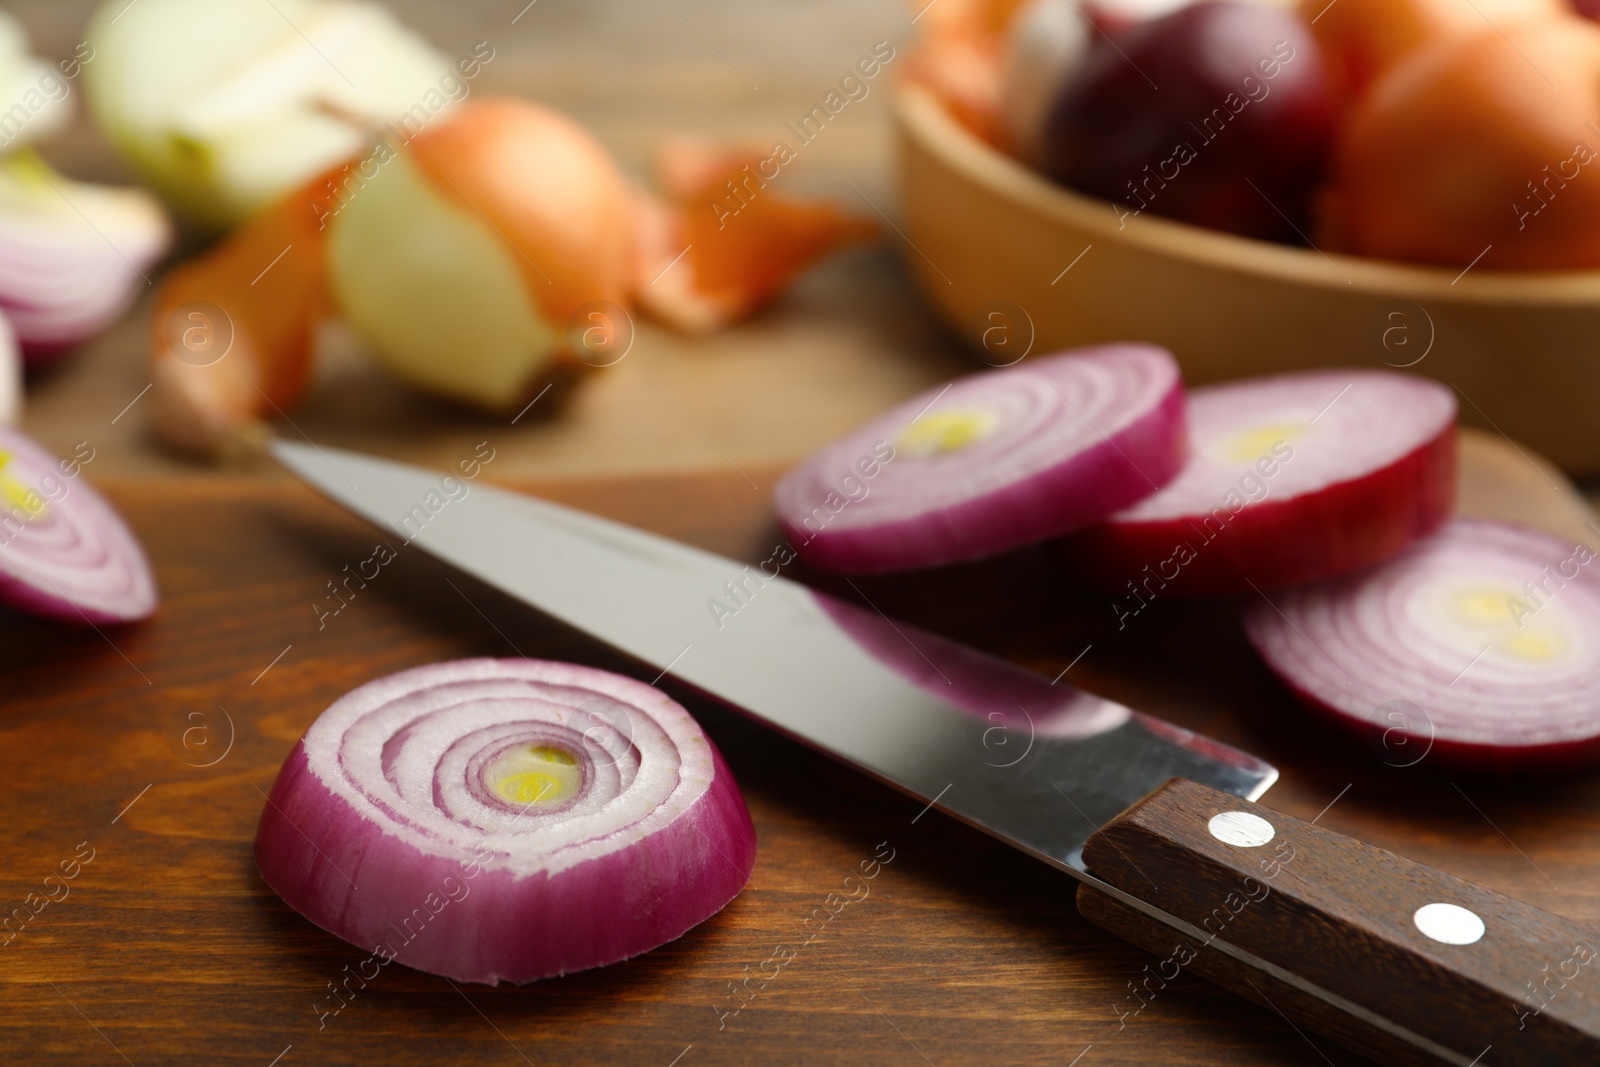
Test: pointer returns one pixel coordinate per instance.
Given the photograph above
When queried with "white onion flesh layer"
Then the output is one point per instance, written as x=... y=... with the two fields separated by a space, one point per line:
x=1481 y=643
x=73 y=255
x=64 y=552
x=992 y=461
x=505 y=820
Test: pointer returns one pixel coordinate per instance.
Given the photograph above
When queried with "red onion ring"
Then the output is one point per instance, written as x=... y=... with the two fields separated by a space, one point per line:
x=990 y=462
x=1444 y=654
x=505 y=820
x=64 y=553
x=72 y=254
x=1290 y=479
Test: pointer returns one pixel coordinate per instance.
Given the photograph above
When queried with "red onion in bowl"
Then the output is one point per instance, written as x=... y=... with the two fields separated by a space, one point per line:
x=64 y=553
x=1290 y=479
x=1478 y=648
x=505 y=820
x=992 y=461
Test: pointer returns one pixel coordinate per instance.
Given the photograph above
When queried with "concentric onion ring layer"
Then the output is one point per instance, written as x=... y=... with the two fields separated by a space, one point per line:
x=414 y=753
x=1042 y=410
x=1450 y=626
x=1339 y=425
x=73 y=558
x=993 y=461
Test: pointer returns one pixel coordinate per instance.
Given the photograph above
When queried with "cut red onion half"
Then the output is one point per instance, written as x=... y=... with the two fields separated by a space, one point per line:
x=990 y=462
x=72 y=254
x=1477 y=648
x=505 y=820
x=1290 y=479
x=64 y=553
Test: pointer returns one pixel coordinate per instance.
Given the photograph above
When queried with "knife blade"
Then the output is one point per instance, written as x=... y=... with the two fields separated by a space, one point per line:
x=1080 y=782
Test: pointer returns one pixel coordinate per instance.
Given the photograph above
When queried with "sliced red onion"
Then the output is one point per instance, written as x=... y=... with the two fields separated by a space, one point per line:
x=64 y=553
x=1477 y=648
x=493 y=820
x=990 y=462
x=10 y=374
x=1290 y=479
x=72 y=255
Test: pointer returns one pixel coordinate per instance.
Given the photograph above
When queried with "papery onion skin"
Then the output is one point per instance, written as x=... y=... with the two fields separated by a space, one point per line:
x=499 y=924
x=1281 y=541
x=256 y=361
x=112 y=584
x=547 y=187
x=1112 y=465
x=1448 y=729
x=704 y=258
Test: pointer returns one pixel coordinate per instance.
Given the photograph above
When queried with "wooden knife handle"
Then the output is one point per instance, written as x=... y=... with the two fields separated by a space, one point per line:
x=1396 y=960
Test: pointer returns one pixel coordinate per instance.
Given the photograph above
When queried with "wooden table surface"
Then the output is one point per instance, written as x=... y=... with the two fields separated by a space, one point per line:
x=849 y=340
x=170 y=950
x=151 y=747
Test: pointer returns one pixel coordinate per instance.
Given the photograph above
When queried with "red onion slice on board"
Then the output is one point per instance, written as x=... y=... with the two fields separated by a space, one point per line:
x=73 y=255
x=1477 y=648
x=505 y=820
x=1290 y=479
x=990 y=462
x=64 y=553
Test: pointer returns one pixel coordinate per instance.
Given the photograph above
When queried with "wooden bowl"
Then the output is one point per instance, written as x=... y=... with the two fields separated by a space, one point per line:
x=1017 y=263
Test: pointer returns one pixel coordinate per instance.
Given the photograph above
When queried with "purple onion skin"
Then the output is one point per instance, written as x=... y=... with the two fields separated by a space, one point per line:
x=37 y=355
x=1111 y=123
x=1463 y=757
x=1097 y=482
x=30 y=601
x=499 y=928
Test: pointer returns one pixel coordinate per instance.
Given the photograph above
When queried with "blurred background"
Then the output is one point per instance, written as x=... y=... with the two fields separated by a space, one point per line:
x=843 y=343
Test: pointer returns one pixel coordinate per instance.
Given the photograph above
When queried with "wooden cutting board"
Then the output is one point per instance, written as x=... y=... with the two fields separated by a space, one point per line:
x=138 y=759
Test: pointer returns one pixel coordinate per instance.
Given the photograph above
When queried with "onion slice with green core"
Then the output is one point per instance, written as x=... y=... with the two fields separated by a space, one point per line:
x=64 y=553
x=990 y=462
x=1478 y=648
x=1290 y=479
x=505 y=820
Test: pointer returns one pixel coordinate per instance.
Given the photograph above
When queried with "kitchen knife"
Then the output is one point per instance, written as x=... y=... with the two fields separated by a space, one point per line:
x=1401 y=962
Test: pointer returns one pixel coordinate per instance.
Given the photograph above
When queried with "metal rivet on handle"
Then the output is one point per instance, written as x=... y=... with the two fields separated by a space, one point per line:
x=1449 y=924
x=1240 y=829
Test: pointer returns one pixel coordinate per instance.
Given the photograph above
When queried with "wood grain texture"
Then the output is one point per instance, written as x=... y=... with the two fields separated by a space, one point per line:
x=172 y=948
x=1338 y=913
